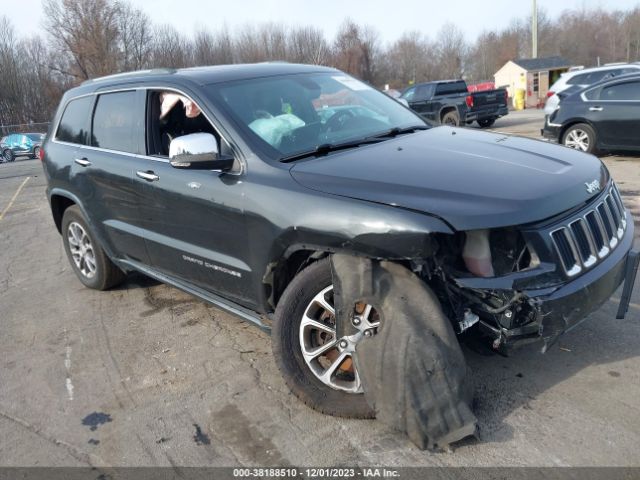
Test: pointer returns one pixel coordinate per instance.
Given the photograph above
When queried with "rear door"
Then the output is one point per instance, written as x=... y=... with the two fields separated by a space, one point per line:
x=104 y=168
x=616 y=114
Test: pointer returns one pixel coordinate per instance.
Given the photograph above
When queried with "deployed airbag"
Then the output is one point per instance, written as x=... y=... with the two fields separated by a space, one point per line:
x=412 y=370
x=272 y=129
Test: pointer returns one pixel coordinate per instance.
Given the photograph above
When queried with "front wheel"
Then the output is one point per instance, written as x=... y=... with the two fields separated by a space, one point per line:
x=487 y=122
x=580 y=137
x=318 y=367
x=8 y=154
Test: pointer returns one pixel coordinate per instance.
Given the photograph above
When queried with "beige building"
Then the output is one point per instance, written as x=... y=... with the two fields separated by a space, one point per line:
x=534 y=75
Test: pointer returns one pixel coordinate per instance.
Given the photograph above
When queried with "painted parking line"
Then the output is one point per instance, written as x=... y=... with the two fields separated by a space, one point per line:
x=13 y=199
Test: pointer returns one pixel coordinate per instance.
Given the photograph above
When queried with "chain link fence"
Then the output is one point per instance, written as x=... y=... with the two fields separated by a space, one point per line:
x=33 y=127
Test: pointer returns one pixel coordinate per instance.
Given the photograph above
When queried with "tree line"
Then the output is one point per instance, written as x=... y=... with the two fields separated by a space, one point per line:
x=90 y=38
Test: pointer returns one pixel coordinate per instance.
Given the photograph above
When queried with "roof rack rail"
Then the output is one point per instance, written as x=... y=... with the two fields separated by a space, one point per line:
x=130 y=74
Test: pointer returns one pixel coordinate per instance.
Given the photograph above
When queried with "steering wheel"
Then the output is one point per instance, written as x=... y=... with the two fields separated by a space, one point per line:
x=337 y=120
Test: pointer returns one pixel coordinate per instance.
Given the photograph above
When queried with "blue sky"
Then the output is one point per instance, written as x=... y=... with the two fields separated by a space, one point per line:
x=389 y=17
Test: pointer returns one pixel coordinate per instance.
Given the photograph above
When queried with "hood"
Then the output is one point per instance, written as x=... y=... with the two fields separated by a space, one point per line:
x=470 y=179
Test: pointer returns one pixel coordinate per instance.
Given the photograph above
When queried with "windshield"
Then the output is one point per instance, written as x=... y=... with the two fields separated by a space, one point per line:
x=290 y=115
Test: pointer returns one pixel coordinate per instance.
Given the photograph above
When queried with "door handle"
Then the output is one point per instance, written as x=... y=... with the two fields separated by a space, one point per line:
x=83 y=162
x=595 y=109
x=149 y=176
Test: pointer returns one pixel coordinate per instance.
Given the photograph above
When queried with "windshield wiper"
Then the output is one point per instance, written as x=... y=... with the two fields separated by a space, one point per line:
x=326 y=148
x=395 y=131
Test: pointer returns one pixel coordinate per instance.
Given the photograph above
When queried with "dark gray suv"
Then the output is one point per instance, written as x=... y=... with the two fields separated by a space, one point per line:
x=239 y=184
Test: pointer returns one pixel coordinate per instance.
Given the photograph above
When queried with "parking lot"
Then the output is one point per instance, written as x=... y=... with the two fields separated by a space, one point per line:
x=147 y=375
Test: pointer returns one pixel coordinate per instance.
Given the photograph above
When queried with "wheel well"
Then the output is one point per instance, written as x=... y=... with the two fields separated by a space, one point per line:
x=58 y=206
x=280 y=274
x=569 y=125
x=446 y=110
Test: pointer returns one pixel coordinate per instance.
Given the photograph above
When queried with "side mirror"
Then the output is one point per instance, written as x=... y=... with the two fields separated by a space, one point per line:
x=198 y=151
x=404 y=102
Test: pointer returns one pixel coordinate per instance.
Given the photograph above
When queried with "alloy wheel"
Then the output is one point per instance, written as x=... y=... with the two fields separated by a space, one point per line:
x=577 y=139
x=332 y=359
x=81 y=249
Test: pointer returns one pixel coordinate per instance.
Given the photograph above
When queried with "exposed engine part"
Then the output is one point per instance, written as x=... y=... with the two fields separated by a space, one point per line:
x=477 y=253
x=468 y=321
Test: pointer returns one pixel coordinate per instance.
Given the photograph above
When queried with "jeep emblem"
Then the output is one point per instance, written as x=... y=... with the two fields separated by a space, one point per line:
x=593 y=187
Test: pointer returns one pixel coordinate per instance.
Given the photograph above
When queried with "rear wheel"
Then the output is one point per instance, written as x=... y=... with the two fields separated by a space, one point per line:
x=487 y=122
x=36 y=152
x=318 y=367
x=88 y=260
x=451 y=118
x=580 y=137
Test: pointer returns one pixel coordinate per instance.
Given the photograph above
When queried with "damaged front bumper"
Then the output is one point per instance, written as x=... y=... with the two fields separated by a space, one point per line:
x=557 y=309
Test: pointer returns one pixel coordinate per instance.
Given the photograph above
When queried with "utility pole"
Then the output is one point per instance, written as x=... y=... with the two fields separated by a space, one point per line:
x=534 y=30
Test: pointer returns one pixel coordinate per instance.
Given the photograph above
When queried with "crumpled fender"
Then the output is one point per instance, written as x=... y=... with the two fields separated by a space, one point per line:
x=413 y=371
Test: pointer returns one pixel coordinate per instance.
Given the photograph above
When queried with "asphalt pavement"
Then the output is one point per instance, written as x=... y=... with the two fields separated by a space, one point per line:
x=147 y=375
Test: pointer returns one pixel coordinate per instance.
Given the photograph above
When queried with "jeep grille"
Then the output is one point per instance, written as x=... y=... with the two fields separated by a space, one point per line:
x=585 y=241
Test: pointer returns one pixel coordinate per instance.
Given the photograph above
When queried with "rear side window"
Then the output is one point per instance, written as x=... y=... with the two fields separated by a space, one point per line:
x=452 y=87
x=593 y=94
x=424 y=92
x=587 y=78
x=74 y=124
x=114 y=122
x=629 y=91
x=594 y=77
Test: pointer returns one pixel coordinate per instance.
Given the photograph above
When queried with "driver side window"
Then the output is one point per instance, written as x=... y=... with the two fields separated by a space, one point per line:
x=409 y=94
x=171 y=115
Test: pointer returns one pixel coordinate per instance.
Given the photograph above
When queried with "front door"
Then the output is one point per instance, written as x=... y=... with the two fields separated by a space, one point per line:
x=194 y=221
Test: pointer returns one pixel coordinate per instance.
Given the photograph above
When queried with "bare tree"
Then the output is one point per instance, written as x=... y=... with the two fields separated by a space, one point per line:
x=452 y=51
x=135 y=37
x=410 y=59
x=355 y=50
x=88 y=38
x=87 y=30
x=212 y=49
x=170 y=48
x=10 y=81
x=308 y=45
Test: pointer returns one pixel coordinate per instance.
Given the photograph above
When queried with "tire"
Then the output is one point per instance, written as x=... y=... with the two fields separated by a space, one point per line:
x=287 y=350
x=487 y=122
x=98 y=274
x=451 y=118
x=36 y=152
x=8 y=154
x=580 y=137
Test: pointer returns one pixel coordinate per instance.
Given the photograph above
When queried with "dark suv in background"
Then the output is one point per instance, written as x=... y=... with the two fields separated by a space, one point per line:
x=604 y=116
x=238 y=184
